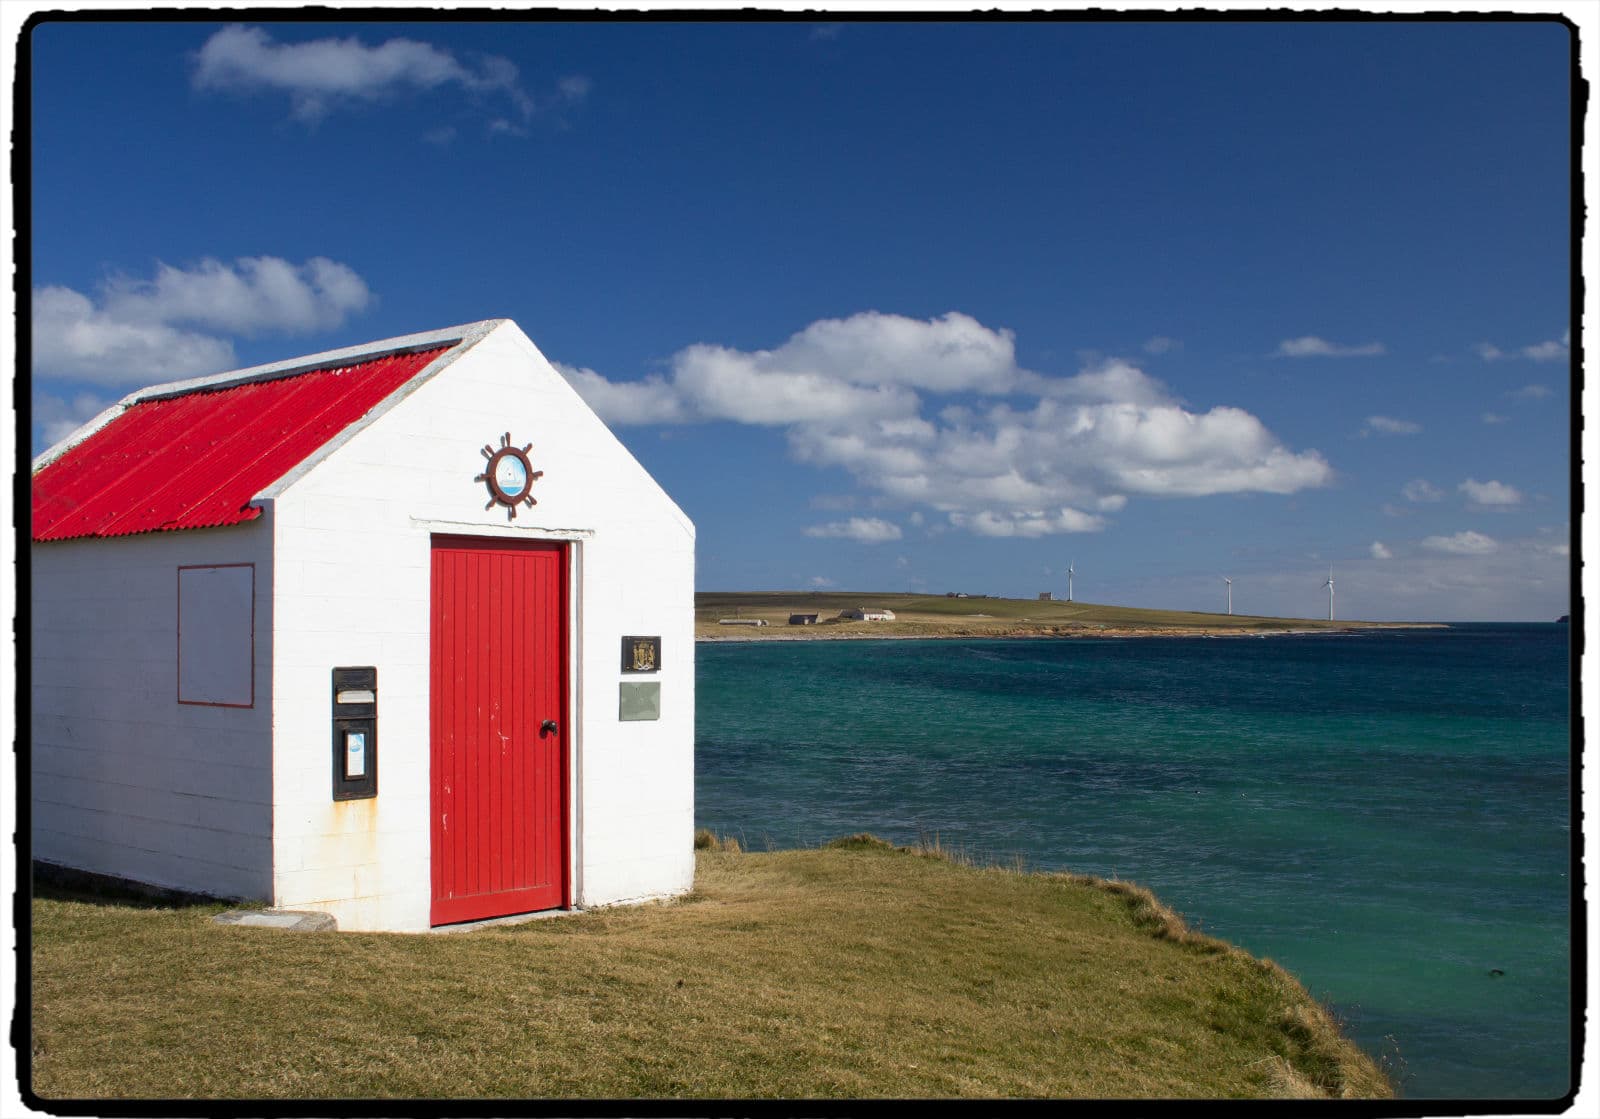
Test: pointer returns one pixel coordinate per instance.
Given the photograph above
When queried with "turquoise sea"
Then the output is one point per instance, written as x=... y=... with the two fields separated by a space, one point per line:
x=1387 y=815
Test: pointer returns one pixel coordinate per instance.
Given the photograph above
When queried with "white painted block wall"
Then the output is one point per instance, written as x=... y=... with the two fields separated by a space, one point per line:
x=352 y=570
x=126 y=780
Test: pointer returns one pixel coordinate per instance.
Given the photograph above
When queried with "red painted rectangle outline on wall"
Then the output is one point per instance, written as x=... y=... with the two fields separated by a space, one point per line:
x=177 y=679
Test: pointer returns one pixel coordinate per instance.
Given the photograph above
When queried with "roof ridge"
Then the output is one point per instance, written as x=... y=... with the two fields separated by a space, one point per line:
x=464 y=335
x=468 y=333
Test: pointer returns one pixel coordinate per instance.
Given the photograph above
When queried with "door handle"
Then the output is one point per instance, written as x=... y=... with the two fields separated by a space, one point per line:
x=548 y=727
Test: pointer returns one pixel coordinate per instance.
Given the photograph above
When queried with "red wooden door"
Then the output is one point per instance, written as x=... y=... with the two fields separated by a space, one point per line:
x=498 y=727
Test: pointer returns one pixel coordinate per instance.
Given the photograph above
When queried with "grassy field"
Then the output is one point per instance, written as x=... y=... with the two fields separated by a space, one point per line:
x=852 y=971
x=921 y=615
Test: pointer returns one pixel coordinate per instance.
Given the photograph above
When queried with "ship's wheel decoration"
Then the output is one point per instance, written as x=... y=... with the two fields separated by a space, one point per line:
x=510 y=476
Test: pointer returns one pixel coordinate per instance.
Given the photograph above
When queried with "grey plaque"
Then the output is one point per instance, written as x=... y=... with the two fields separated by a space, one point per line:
x=640 y=702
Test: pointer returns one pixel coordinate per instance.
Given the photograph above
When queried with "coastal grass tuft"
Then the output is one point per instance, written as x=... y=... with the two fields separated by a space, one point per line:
x=858 y=969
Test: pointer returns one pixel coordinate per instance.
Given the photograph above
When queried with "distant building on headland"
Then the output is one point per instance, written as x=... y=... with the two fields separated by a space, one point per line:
x=867 y=614
x=802 y=619
x=742 y=622
x=1045 y=596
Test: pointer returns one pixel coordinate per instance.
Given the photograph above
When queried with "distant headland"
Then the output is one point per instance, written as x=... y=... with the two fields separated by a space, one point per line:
x=823 y=615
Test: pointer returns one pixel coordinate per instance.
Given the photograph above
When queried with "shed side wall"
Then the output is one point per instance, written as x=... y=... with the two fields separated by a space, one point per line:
x=125 y=779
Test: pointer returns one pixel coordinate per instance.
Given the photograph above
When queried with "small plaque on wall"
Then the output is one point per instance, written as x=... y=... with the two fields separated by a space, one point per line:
x=639 y=702
x=641 y=654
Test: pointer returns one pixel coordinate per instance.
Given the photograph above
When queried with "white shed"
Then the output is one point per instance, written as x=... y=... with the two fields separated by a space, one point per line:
x=342 y=633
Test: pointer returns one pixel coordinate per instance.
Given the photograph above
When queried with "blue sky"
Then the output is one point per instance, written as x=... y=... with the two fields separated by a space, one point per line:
x=895 y=306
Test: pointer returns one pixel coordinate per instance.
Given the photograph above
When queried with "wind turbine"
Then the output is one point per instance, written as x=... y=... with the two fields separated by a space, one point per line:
x=1329 y=585
x=1069 y=580
x=1230 y=594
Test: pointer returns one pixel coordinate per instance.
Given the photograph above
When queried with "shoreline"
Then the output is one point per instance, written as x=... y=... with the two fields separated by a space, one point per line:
x=1109 y=632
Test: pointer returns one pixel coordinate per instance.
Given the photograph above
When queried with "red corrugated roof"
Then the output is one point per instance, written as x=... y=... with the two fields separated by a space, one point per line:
x=195 y=460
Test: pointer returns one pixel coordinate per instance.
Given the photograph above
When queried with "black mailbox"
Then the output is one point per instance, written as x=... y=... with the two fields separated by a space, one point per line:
x=355 y=733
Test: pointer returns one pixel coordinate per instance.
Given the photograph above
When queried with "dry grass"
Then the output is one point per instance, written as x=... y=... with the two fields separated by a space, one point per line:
x=854 y=971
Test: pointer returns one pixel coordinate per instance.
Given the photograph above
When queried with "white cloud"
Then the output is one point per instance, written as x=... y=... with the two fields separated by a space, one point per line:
x=74 y=338
x=1168 y=451
x=835 y=371
x=322 y=74
x=1161 y=344
x=167 y=328
x=1380 y=552
x=1420 y=489
x=249 y=296
x=867 y=530
x=1530 y=392
x=1461 y=544
x=726 y=384
x=1493 y=418
x=574 y=88
x=1109 y=382
x=853 y=393
x=1312 y=346
x=1031 y=522
x=1387 y=425
x=1550 y=350
x=1553 y=540
x=1490 y=493
x=822 y=581
x=951 y=353
x=651 y=401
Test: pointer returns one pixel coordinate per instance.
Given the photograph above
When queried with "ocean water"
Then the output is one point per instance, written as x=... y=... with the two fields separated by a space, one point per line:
x=1387 y=815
